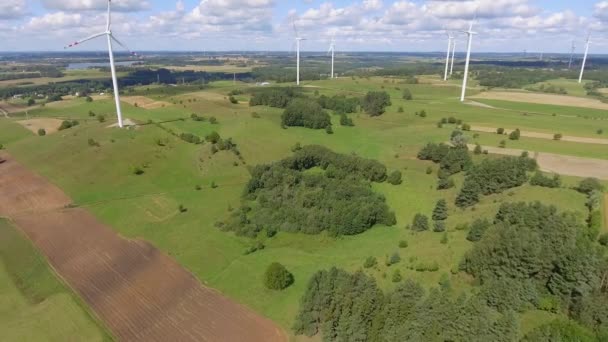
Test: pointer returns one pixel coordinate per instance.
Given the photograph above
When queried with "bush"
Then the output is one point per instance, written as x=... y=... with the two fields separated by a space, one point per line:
x=502 y=144
x=277 y=277
x=557 y=136
x=420 y=223
x=233 y=99
x=213 y=185
x=440 y=213
x=190 y=138
x=101 y=118
x=91 y=113
x=429 y=170
x=213 y=120
x=41 y=132
x=600 y=131
x=255 y=115
x=477 y=149
x=541 y=180
x=500 y=131
x=477 y=230
x=182 y=209
x=466 y=127
x=258 y=246
x=93 y=143
x=588 y=185
x=407 y=95
x=329 y=130
x=403 y=244
x=394 y=178
x=515 y=135
x=393 y=259
x=603 y=240
x=423 y=114
x=346 y=121
x=375 y=102
x=439 y=226
x=213 y=137
x=1 y=147
x=370 y=262
x=400 y=109
x=396 y=276
x=136 y=170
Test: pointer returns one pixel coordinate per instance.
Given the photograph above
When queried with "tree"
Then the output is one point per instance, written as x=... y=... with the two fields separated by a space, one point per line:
x=541 y=180
x=557 y=136
x=466 y=127
x=500 y=131
x=370 y=262
x=477 y=149
x=277 y=277
x=89 y=99
x=407 y=95
x=394 y=178
x=603 y=240
x=478 y=228
x=375 y=102
x=469 y=194
x=329 y=130
x=41 y=132
x=515 y=134
x=31 y=102
x=397 y=276
x=440 y=213
x=502 y=144
x=345 y=120
x=101 y=118
x=393 y=259
x=420 y=223
x=439 y=226
x=588 y=185
x=305 y=113
x=213 y=137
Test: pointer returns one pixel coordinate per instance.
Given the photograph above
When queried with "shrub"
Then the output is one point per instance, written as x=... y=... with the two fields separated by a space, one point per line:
x=31 y=102
x=258 y=246
x=500 y=131
x=394 y=178
x=444 y=238
x=329 y=130
x=182 y=209
x=370 y=262
x=89 y=99
x=557 y=136
x=277 y=277
x=213 y=137
x=1 y=147
x=93 y=143
x=375 y=102
x=429 y=170
x=233 y=99
x=41 y=132
x=65 y=125
x=213 y=120
x=423 y=114
x=515 y=135
x=198 y=187
x=101 y=118
x=477 y=149
x=420 y=223
x=478 y=229
x=541 y=180
x=396 y=276
x=502 y=144
x=345 y=120
x=393 y=259
x=603 y=240
x=466 y=127
x=407 y=95
x=439 y=226
x=91 y=113
x=136 y=170
x=255 y=115
x=403 y=244
x=400 y=109
x=213 y=185
x=588 y=185
x=190 y=138
x=600 y=131
x=440 y=213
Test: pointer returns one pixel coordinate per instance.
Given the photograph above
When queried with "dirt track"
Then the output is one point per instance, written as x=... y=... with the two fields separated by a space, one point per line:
x=544 y=135
x=137 y=291
x=550 y=99
x=560 y=164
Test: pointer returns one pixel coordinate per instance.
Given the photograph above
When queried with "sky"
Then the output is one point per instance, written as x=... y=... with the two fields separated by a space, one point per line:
x=267 y=25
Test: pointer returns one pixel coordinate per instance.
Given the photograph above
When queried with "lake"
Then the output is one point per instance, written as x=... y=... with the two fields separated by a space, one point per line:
x=81 y=66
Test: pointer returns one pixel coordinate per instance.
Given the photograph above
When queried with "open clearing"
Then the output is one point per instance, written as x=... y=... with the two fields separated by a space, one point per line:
x=140 y=293
x=543 y=135
x=144 y=102
x=560 y=164
x=48 y=124
x=560 y=100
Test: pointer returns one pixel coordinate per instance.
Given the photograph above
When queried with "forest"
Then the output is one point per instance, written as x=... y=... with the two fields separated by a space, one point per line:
x=530 y=257
x=312 y=191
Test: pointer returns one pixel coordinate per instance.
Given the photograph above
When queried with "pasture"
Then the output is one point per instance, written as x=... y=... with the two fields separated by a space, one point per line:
x=100 y=178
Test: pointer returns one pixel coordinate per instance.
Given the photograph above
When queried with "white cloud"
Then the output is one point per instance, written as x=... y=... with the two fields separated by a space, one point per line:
x=53 y=21
x=87 y=5
x=12 y=9
x=601 y=10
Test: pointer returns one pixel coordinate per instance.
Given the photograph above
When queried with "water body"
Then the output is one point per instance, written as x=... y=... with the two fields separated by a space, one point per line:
x=82 y=66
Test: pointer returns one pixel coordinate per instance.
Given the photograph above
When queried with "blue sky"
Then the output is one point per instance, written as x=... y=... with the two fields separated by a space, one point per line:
x=358 y=25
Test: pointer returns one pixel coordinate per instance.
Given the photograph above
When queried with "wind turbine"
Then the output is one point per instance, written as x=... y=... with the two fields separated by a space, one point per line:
x=453 y=53
x=298 y=40
x=110 y=37
x=332 y=49
x=580 y=78
x=447 y=57
x=470 y=34
x=571 y=54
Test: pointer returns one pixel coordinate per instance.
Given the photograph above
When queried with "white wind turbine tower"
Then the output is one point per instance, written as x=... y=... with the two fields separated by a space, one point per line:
x=447 y=57
x=298 y=40
x=110 y=37
x=571 y=54
x=470 y=34
x=453 y=53
x=580 y=78
x=332 y=49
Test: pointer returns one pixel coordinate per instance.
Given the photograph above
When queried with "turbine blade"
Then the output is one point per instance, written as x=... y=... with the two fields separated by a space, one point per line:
x=109 y=15
x=124 y=46
x=84 y=40
x=295 y=29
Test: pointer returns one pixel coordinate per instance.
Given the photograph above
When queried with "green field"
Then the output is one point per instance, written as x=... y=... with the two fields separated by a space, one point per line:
x=146 y=206
x=34 y=304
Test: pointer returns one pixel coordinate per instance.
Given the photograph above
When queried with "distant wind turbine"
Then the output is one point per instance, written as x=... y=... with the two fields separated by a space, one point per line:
x=298 y=40
x=447 y=57
x=580 y=78
x=470 y=34
x=110 y=37
x=332 y=49
x=571 y=54
x=453 y=53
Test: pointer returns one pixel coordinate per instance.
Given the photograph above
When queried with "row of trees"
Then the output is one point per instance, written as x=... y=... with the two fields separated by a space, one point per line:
x=305 y=113
x=340 y=103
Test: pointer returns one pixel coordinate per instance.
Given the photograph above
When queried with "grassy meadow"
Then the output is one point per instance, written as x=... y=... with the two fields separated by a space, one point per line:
x=146 y=206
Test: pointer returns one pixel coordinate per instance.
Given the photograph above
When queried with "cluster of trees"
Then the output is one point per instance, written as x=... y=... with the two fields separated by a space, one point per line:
x=30 y=71
x=511 y=77
x=273 y=97
x=539 y=179
x=68 y=124
x=549 y=88
x=536 y=257
x=314 y=190
x=339 y=103
x=305 y=113
x=282 y=74
x=351 y=307
x=451 y=159
x=375 y=102
x=493 y=176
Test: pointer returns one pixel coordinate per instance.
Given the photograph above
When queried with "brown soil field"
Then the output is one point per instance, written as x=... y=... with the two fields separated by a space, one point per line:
x=49 y=125
x=10 y=108
x=137 y=291
x=144 y=102
x=551 y=99
x=544 y=135
x=560 y=164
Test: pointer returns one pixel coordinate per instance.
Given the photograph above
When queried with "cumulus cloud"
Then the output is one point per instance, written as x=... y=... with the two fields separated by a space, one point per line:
x=12 y=9
x=88 y=5
x=601 y=10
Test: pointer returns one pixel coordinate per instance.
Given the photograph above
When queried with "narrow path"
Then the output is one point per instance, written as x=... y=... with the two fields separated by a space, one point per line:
x=3 y=112
x=546 y=136
x=558 y=163
x=606 y=212
x=137 y=291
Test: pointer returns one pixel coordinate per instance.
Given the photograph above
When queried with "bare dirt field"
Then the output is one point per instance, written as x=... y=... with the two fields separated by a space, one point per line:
x=551 y=99
x=144 y=102
x=49 y=125
x=137 y=291
x=560 y=164
x=544 y=135
x=9 y=108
